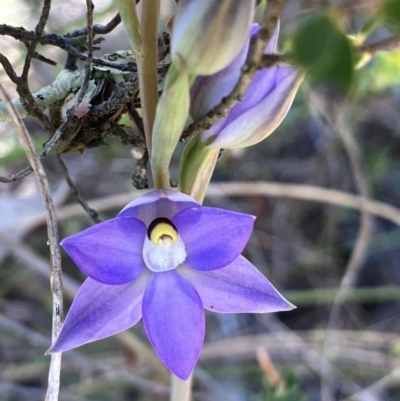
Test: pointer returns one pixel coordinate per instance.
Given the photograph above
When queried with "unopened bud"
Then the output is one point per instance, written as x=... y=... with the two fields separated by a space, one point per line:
x=265 y=103
x=209 y=34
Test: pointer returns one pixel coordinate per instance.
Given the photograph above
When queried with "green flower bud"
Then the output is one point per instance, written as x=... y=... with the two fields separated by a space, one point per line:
x=172 y=112
x=209 y=34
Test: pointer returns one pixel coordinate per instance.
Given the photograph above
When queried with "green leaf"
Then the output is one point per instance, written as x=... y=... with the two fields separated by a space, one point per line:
x=391 y=10
x=325 y=51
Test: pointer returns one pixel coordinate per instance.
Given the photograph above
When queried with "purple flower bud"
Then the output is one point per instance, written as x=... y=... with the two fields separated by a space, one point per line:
x=164 y=258
x=209 y=34
x=265 y=104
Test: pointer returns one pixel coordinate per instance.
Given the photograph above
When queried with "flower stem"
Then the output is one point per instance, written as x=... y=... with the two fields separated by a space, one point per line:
x=147 y=66
x=161 y=179
x=127 y=10
x=180 y=390
x=144 y=40
x=197 y=167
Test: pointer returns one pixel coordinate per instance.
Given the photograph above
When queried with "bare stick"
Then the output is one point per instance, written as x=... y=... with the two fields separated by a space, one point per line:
x=98 y=29
x=38 y=34
x=378 y=387
x=147 y=66
x=181 y=389
x=256 y=188
x=23 y=90
x=88 y=64
x=16 y=177
x=383 y=45
x=52 y=232
x=358 y=254
x=91 y=212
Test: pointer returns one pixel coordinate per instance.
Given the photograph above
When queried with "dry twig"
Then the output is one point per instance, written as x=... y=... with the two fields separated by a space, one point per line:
x=51 y=219
x=259 y=188
x=16 y=177
x=91 y=212
x=336 y=116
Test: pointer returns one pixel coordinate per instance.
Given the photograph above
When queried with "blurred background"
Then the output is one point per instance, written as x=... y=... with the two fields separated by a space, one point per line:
x=340 y=138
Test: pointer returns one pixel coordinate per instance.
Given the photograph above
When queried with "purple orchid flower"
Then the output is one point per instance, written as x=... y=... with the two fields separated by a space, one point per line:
x=164 y=259
x=265 y=103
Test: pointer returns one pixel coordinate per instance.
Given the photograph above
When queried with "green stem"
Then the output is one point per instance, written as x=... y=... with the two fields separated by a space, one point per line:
x=327 y=295
x=147 y=66
x=180 y=390
x=127 y=10
x=197 y=167
x=161 y=178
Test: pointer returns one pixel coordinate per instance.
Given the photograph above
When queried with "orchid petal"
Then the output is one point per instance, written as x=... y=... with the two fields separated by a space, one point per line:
x=263 y=118
x=174 y=320
x=97 y=312
x=264 y=82
x=109 y=252
x=208 y=91
x=273 y=42
x=213 y=237
x=236 y=288
x=160 y=203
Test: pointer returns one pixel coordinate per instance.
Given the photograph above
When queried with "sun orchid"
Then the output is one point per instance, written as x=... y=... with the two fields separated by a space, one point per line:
x=164 y=258
x=265 y=103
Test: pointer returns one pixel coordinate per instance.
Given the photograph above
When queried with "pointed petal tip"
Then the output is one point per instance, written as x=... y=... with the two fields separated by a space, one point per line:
x=51 y=351
x=183 y=376
x=177 y=334
x=285 y=305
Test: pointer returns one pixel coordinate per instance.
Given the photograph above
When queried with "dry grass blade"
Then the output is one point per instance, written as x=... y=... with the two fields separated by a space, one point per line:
x=52 y=230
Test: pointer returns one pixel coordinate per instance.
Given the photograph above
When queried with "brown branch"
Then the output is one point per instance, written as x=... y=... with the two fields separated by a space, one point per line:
x=269 y=60
x=8 y=68
x=52 y=230
x=65 y=133
x=302 y=192
x=88 y=65
x=16 y=177
x=383 y=45
x=44 y=59
x=63 y=42
x=38 y=34
x=27 y=100
x=98 y=29
x=338 y=118
x=91 y=212
x=252 y=65
x=72 y=124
